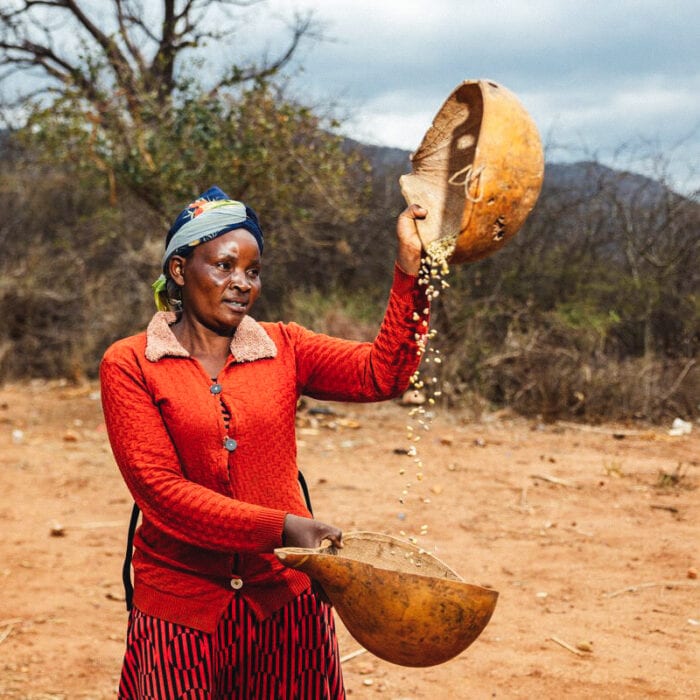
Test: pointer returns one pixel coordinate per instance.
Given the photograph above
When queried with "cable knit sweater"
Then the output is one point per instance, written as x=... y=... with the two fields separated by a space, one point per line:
x=213 y=511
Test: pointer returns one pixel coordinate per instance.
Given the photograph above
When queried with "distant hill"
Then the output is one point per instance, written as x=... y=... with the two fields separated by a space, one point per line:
x=382 y=158
x=584 y=177
x=582 y=202
x=581 y=181
x=587 y=178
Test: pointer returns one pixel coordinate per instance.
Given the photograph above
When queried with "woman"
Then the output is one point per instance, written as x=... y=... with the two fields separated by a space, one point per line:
x=200 y=412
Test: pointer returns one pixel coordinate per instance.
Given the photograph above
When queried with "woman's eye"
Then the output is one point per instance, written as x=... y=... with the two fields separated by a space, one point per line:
x=254 y=273
x=223 y=265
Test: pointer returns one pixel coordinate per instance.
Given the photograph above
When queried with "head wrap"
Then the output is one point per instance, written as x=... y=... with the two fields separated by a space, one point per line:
x=209 y=216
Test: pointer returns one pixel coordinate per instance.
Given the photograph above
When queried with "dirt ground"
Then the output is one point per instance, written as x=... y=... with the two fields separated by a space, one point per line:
x=590 y=534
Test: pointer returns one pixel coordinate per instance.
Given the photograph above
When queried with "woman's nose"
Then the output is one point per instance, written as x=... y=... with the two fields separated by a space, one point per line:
x=239 y=279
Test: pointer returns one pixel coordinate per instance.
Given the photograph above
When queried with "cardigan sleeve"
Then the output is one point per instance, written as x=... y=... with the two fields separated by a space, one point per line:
x=342 y=370
x=149 y=464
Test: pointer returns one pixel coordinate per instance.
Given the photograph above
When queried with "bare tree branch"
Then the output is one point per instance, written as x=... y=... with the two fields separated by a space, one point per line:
x=124 y=19
x=120 y=65
x=122 y=79
x=302 y=27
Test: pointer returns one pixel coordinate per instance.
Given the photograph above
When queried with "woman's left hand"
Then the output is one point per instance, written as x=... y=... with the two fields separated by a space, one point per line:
x=309 y=533
x=410 y=247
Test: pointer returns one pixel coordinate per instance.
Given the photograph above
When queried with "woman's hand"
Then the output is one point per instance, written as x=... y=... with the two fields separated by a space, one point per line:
x=308 y=533
x=410 y=247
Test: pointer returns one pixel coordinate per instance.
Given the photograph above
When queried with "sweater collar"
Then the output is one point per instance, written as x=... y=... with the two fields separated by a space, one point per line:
x=250 y=341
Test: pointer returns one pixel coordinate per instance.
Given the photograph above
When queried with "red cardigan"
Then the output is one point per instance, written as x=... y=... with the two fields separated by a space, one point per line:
x=211 y=517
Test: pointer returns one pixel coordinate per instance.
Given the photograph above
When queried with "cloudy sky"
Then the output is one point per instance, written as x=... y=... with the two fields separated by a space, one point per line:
x=613 y=79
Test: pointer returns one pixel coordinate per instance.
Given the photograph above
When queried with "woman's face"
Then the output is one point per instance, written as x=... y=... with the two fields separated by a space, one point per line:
x=219 y=280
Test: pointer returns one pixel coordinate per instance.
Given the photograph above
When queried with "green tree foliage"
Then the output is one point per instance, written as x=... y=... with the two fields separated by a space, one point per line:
x=130 y=97
x=121 y=110
x=116 y=86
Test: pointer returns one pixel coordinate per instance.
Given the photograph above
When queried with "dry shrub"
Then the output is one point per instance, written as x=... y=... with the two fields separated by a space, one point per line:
x=74 y=280
x=557 y=382
x=677 y=479
x=560 y=364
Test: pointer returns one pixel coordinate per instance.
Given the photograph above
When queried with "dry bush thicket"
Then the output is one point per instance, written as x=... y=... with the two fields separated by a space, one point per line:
x=74 y=273
x=584 y=316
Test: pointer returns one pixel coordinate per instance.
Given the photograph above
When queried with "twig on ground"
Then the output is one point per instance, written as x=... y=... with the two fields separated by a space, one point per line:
x=523 y=497
x=651 y=584
x=670 y=509
x=622 y=432
x=4 y=634
x=352 y=654
x=11 y=621
x=554 y=480
x=522 y=506
x=566 y=646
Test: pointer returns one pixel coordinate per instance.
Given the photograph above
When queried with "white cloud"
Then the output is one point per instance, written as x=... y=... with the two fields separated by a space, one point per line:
x=598 y=74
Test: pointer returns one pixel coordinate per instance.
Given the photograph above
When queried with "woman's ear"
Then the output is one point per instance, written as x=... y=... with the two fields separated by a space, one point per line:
x=176 y=268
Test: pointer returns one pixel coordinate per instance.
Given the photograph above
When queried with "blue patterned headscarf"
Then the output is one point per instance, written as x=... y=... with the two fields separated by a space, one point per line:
x=210 y=215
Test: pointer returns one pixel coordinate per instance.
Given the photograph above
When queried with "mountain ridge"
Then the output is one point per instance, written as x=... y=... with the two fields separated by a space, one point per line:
x=584 y=176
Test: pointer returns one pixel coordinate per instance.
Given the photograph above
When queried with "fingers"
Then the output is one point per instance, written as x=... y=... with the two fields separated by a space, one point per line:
x=309 y=533
x=414 y=211
x=336 y=538
x=408 y=255
x=328 y=532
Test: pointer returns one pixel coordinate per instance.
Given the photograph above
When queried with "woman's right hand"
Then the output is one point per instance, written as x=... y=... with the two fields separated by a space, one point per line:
x=308 y=533
x=410 y=247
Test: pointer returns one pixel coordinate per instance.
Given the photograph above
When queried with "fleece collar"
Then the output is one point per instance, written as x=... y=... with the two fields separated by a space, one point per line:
x=250 y=342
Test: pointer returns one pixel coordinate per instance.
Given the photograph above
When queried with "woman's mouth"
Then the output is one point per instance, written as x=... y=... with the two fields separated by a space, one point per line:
x=237 y=304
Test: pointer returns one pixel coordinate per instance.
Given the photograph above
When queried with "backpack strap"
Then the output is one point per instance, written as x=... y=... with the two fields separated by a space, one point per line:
x=126 y=569
x=305 y=491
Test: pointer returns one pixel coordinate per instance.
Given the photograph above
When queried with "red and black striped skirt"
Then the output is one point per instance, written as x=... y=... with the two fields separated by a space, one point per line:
x=292 y=655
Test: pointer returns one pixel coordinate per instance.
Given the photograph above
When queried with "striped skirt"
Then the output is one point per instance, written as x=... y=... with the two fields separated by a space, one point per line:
x=292 y=655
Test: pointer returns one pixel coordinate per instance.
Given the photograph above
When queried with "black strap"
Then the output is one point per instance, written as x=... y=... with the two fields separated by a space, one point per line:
x=126 y=569
x=305 y=491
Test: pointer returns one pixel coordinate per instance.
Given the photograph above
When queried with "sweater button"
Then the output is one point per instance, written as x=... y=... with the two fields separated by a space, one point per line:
x=236 y=584
x=230 y=444
x=215 y=389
